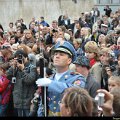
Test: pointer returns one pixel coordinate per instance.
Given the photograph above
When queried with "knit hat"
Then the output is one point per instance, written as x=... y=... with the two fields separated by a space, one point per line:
x=82 y=61
x=92 y=47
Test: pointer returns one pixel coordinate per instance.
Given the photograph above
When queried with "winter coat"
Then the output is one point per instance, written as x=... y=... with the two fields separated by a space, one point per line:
x=24 y=88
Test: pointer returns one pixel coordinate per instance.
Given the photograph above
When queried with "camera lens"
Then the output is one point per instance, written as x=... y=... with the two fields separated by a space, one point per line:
x=20 y=61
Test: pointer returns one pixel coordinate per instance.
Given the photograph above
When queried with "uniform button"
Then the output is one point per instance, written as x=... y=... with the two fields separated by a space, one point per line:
x=54 y=102
x=66 y=76
x=54 y=108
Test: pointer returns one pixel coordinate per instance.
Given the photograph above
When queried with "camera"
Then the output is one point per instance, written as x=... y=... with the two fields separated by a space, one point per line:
x=20 y=59
x=112 y=68
x=54 y=30
x=100 y=99
x=13 y=79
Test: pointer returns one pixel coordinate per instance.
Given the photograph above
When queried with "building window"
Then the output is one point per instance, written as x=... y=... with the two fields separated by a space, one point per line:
x=105 y=2
x=115 y=1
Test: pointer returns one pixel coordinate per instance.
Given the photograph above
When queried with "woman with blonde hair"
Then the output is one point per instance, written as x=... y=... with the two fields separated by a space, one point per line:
x=92 y=53
x=113 y=81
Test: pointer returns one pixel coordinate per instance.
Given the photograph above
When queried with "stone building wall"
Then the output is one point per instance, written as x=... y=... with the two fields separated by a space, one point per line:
x=11 y=10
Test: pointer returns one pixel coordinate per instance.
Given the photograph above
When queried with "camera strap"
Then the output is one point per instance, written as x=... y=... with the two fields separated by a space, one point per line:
x=15 y=72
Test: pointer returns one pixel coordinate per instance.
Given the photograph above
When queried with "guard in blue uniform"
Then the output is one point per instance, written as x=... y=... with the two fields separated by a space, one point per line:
x=64 y=54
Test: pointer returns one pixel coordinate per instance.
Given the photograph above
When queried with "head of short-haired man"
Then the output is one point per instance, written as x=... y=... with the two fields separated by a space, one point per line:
x=63 y=55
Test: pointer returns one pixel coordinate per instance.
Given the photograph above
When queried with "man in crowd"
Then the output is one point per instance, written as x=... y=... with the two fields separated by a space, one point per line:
x=83 y=66
x=23 y=76
x=107 y=10
x=64 y=78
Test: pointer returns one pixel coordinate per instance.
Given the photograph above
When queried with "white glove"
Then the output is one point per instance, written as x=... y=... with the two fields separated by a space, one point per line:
x=43 y=81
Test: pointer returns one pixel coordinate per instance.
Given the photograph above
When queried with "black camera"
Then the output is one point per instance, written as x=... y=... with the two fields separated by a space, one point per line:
x=54 y=30
x=112 y=68
x=20 y=59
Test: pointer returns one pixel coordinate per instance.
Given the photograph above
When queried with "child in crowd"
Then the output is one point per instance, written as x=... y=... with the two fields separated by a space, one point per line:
x=113 y=81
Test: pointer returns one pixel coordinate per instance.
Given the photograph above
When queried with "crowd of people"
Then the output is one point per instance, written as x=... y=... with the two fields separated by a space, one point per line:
x=63 y=65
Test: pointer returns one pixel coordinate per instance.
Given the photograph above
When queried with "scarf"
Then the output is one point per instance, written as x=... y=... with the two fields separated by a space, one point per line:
x=92 y=62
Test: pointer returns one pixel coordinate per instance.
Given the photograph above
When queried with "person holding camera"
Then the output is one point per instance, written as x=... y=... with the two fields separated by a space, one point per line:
x=108 y=66
x=23 y=75
x=111 y=104
x=105 y=101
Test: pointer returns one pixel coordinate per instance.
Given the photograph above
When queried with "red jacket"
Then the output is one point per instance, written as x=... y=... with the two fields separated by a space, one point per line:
x=5 y=92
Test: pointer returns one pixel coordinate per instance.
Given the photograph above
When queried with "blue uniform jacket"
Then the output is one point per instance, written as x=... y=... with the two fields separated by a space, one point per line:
x=56 y=88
